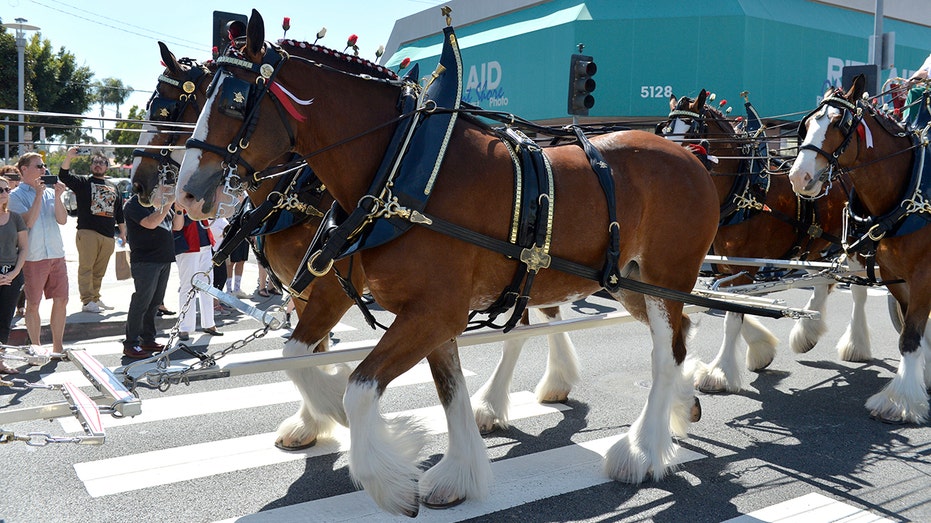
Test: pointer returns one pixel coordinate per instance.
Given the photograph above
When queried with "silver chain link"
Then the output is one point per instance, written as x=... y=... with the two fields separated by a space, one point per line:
x=163 y=379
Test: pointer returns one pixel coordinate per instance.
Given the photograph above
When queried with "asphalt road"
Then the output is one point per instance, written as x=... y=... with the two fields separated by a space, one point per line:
x=796 y=442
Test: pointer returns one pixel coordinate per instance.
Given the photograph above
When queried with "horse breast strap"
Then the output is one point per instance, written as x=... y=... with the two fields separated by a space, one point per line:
x=407 y=173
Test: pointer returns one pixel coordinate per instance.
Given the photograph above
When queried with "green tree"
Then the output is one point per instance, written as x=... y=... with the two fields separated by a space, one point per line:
x=121 y=136
x=58 y=85
x=111 y=91
x=9 y=70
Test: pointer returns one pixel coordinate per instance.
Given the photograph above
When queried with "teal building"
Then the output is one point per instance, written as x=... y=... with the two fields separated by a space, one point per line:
x=786 y=53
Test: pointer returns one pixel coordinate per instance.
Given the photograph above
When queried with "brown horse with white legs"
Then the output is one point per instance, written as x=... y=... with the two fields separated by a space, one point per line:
x=888 y=220
x=762 y=218
x=432 y=280
x=178 y=98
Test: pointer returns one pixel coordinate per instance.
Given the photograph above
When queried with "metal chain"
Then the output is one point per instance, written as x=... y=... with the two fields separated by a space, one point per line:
x=37 y=439
x=163 y=379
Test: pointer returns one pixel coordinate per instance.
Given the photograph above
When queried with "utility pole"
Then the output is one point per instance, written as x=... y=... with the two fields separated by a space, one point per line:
x=21 y=28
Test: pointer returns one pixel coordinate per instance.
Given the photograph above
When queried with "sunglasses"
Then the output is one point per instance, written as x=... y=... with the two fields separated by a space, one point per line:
x=5 y=190
x=98 y=162
x=40 y=166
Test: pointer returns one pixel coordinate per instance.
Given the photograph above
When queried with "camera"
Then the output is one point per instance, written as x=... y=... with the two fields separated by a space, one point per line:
x=84 y=151
x=49 y=180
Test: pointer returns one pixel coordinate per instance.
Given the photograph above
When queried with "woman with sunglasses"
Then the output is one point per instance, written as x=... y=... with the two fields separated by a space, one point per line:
x=14 y=243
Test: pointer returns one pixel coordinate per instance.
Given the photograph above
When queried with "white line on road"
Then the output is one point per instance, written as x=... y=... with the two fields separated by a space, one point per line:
x=161 y=467
x=226 y=400
x=517 y=481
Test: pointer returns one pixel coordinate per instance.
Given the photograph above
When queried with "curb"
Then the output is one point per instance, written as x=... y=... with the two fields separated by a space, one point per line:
x=75 y=331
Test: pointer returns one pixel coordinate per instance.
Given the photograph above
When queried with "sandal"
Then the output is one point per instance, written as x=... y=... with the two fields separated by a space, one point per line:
x=262 y=292
x=7 y=370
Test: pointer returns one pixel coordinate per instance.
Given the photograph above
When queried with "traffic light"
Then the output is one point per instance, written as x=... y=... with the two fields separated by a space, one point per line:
x=581 y=84
x=223 y=24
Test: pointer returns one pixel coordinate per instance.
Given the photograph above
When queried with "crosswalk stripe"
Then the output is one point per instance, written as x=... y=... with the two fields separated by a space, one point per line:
x=161 y=467
x=517 y=481
x=225 y=400
x=810 y=508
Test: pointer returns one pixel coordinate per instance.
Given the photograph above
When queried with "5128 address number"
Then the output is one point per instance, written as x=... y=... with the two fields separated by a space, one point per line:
x=655 y=91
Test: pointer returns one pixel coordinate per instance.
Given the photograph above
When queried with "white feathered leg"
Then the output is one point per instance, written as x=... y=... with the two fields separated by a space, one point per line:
x=904 y=399
x=723 y=374
x=383 y=453
x=321 y=388
x=464 y=471
x=562 y=367
x=761 y=344
x=806 y=332
x=854 y=345
x=490 y=402
x=648 y=448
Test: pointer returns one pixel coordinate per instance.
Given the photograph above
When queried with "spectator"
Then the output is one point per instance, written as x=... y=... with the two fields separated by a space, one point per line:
x=14 y=242
x=220 y=276
x=44 y=213
x=237 y=263
x=193 y=254
x=264 y=282
x=11 y=173
x=100 y=210
x=152 y=251
x=922 y=73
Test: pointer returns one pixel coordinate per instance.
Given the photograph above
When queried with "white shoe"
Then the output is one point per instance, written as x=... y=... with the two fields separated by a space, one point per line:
x=103 y=307
x=239 y=294
x=91 y=306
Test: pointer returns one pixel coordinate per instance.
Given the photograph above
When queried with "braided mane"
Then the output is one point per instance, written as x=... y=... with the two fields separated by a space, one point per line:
x=304 y=48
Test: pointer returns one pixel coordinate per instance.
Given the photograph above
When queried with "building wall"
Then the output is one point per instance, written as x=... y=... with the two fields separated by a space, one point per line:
x=785 y=53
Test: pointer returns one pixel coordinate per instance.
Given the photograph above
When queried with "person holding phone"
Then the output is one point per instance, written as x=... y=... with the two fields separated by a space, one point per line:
x=44 y=212
x=100 y=212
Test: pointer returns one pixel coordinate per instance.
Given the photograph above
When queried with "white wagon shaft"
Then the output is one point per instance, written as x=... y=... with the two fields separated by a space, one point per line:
x=113 y=398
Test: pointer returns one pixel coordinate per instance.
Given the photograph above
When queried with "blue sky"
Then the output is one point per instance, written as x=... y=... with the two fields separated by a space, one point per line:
x=117 y=38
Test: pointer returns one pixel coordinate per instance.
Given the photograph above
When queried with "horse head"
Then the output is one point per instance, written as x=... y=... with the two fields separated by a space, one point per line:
x=263 y=105
x=686 y=118
x=825 y=135
x=177 y=99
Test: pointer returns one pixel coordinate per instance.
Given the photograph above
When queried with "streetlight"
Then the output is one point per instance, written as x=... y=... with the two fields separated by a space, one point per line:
x=21 y=29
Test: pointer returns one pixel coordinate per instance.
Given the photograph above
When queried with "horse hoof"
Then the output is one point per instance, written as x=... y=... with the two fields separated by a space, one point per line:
x=487 y=429
x=696 y=410
x=889 y=421
x=711 y=390
x=555 y=397
x=442 y=503
x=282 y=446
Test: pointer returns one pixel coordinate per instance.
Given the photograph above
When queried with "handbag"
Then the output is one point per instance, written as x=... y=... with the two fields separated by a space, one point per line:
x=121 y=259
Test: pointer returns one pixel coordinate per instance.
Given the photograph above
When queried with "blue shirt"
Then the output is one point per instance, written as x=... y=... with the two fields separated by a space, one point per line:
x=45 y=241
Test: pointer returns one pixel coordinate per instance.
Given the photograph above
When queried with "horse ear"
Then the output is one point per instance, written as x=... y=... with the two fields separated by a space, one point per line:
x=672 y=102
x=700 y=101
x=856 y=90
x=169 y=59
x=255 y=34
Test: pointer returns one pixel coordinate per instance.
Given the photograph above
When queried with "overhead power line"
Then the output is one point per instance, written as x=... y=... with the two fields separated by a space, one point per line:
x=97 y=19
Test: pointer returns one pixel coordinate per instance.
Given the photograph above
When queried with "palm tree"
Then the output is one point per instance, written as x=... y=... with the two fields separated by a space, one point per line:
x=111 y=91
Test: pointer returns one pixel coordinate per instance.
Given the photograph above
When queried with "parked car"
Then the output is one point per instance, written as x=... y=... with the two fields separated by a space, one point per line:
x=123 y=185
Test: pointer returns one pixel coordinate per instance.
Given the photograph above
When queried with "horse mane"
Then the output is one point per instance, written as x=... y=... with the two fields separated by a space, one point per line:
x=720 y=117
x=886 y=121
x=362 y=65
